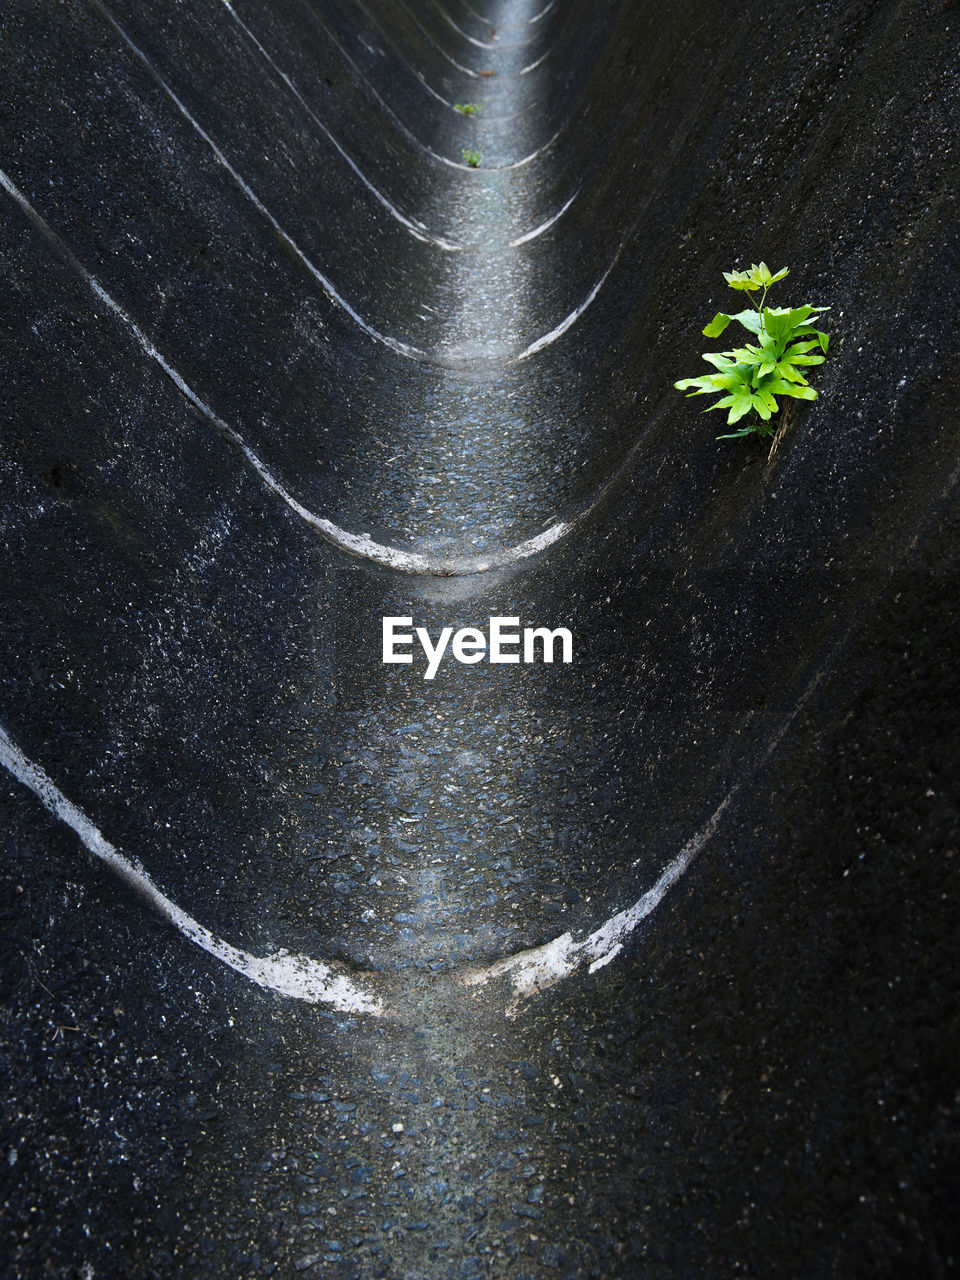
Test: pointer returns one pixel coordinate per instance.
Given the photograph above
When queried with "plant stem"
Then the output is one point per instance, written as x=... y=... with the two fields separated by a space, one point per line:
x=760 y=307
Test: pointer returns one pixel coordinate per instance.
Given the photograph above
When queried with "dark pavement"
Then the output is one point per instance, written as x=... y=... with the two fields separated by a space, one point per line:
x=644 y=965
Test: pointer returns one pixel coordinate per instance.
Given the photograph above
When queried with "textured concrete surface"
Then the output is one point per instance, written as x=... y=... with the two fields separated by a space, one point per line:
x=644 y=965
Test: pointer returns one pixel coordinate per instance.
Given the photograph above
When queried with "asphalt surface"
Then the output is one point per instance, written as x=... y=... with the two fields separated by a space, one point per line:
x=642 y=965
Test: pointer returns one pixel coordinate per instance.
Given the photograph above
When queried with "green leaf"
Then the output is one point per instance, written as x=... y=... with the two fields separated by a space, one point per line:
x=806 y=359
x=822 y=338
x=750 y=320
x=705 y=384
x=741 y=280
x=781 y=322
x=717 y=325
x=741 y=406
x=721 y=359
x=739 y=402
x=750 y=377
x=767 y=399
x=794 y=356
x=758 y=277
x=783 y=388
x=800 y=347
x=735 y=380
x=748 y=355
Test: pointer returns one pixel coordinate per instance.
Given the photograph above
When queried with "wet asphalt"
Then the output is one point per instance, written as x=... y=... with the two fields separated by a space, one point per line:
x=251 y=281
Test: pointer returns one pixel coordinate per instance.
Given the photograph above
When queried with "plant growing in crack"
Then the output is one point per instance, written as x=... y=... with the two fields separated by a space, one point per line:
x=466 y=108
x=751 y=377
x=471 y=157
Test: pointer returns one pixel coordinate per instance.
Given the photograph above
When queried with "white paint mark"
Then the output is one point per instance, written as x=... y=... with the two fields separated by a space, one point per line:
x=541 y=967
x=479 y=44
x=395 y=344
x=427 y=35
x=573 y=317
x=405 y=62
x=543 y=12
x=518 y=164
x=605 y=960
x=405 y=349
x=533 y=65
x=368 y=86
x=407 y=132
x=544 y=226
x=496 y=44
x=415 y=228
x=530 y=971
x=360 y=544
x=296 y=976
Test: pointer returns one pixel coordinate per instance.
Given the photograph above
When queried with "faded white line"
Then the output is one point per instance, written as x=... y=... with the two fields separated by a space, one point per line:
x=360 y=544
x=304 y=978
x=498 y=45
x=402 y=348
x=428 y=36
x=405 y=62
x=533 y=65
x=479 y=44
x=518 y=164
x=543 y=13
x=529 y=971
x=541 y=967
x=450 y=360
x=410 y=135
x=415 y=228
x=296 y=976
x=572 y=318
x=371 y=90
x=544 y=226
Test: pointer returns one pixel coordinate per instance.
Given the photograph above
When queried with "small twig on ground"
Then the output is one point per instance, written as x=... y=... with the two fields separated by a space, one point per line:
x=59 y=1029
x=33 y=974
x=781 y=431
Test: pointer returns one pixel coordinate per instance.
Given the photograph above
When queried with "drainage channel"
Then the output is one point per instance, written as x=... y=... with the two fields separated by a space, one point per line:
x=470 y=434
x=344 y=332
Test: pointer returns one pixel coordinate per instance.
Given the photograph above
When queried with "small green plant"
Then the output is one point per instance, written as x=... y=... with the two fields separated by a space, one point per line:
x=754 y=375
x=466 y=108
x=472 y=158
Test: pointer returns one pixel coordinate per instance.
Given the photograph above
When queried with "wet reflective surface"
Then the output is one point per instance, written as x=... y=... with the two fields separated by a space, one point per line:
x=660 y=943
